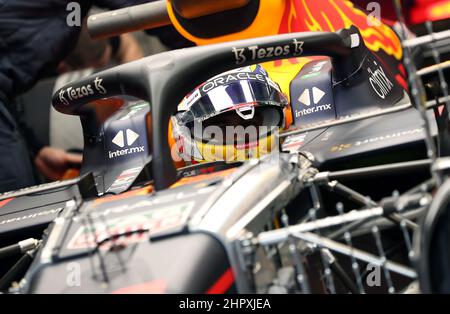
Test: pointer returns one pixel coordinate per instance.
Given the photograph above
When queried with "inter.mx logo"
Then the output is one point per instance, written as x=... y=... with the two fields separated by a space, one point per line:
x=119 y=139
x=305 y=98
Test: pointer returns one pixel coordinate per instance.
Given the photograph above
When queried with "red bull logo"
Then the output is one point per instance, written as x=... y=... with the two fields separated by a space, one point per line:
x=332 y=15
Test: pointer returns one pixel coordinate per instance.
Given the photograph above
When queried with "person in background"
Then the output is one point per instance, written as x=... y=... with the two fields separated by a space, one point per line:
x=34 y=39
x=97 y=54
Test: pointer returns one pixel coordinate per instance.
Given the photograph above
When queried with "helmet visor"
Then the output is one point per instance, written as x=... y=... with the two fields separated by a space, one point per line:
x=230 y=92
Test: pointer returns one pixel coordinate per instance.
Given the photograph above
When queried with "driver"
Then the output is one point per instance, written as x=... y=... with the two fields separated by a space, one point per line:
x=231 y=117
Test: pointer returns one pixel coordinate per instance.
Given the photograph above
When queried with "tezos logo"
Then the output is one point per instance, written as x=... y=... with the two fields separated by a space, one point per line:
x=119 y=140
x=295 y=48
x=379 y=81
x=74 y=93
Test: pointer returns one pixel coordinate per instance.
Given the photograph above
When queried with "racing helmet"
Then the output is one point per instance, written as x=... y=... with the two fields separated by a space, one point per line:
x=230 y=117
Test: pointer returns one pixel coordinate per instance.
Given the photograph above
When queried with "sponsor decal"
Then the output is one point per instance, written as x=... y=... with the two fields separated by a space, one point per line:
x=124 y=179
x=340 y=147
x=305 y=98
x=126 y=151
x=31 y=216
x=74 y=93
x=226 y=79
x=134 y=109
x=131 y=138
x=379 y=81
x=10 y=195
x=245 y=74
x=389 y=136
x=375 y=139
x=156 y=221
x=315 y=70
x=310 y=75
x=189 y=100
x=253 y=53
x=119 y=140
x=294 y=143
x=315 y=109
x=98 y=85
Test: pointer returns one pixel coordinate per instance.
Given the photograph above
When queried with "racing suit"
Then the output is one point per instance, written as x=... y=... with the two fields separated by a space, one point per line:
x=34 y=38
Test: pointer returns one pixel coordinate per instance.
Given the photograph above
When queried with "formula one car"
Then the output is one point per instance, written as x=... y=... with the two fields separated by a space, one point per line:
x=275 y=224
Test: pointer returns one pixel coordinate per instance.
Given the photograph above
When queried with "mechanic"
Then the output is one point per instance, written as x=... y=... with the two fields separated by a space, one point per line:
x=97 y=54
x=34 y=38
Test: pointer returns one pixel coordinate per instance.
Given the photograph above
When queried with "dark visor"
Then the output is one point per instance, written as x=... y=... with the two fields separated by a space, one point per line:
x=237 y=94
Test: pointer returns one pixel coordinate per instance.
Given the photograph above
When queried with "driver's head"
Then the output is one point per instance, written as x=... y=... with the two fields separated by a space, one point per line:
x=232 y=116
